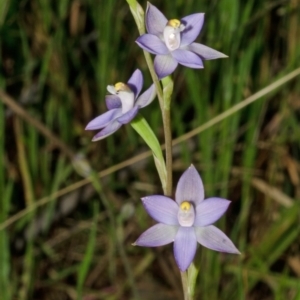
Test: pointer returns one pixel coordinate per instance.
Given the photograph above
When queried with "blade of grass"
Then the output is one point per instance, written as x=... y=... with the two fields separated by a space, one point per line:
x=6 y=186
x=88 y=256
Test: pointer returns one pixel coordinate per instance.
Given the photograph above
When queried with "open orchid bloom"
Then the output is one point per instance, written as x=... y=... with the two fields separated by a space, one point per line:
x=123 y=105
x=172 y=41
x=186 y=221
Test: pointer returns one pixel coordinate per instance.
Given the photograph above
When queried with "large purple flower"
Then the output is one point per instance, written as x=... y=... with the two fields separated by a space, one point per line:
x=186 y=221
x=173 y=42
x=123 y=105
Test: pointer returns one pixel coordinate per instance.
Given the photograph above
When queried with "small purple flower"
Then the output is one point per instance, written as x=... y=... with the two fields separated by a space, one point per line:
x=186 y=221
x=123 y=105
x=173 y=42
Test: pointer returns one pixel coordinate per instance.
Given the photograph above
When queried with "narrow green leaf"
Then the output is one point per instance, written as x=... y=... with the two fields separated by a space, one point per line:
x=88 y=256
x=4 y=4
x=138 y=14
x=192 y=277
x=132 y=3
x=141 y=126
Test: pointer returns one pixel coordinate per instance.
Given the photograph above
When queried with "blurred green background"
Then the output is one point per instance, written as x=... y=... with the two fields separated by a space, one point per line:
x=63 y=237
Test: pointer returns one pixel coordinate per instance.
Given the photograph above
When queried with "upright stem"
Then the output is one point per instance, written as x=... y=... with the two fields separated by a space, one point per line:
x=166 y=116
x=138 y=14
x=168 y=143
x=185 y=286
x=164 y=99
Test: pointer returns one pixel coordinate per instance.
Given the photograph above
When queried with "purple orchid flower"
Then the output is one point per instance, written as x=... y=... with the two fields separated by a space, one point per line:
x=123 y=105
x=173 y=42
x=186 y=221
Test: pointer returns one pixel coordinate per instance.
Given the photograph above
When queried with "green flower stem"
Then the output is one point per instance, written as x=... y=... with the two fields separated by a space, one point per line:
x=169 y=158
x=138 y=14
x=167 y=97
x=185 y=286
x=164 y=98
x=166 y=123
x=165 y=105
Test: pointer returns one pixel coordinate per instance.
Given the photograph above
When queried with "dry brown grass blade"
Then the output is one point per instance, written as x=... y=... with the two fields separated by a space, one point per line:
x=272 y=192
x=22 y=113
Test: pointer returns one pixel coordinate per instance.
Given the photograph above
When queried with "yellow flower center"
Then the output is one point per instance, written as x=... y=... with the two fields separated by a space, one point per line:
x=120 y=86
x=174 y=23
x=185 y=205
x=125 y=94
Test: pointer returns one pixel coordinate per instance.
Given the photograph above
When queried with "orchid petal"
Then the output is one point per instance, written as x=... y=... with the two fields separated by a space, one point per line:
x=213 y=238
x=187 y=58
x=190 y=187
x=155 y=20
x=104 y=119
x=108 y=130
x=157 y=235
x=185 y=246
x=128 y=116
x=152 y=44
x=111 y=89
x=147 y=97
x=112 y=101
x=205 y=52
x=210 y=210
x=164 y=65
x=162 y=209
x=135 y=82
x=193 y=25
